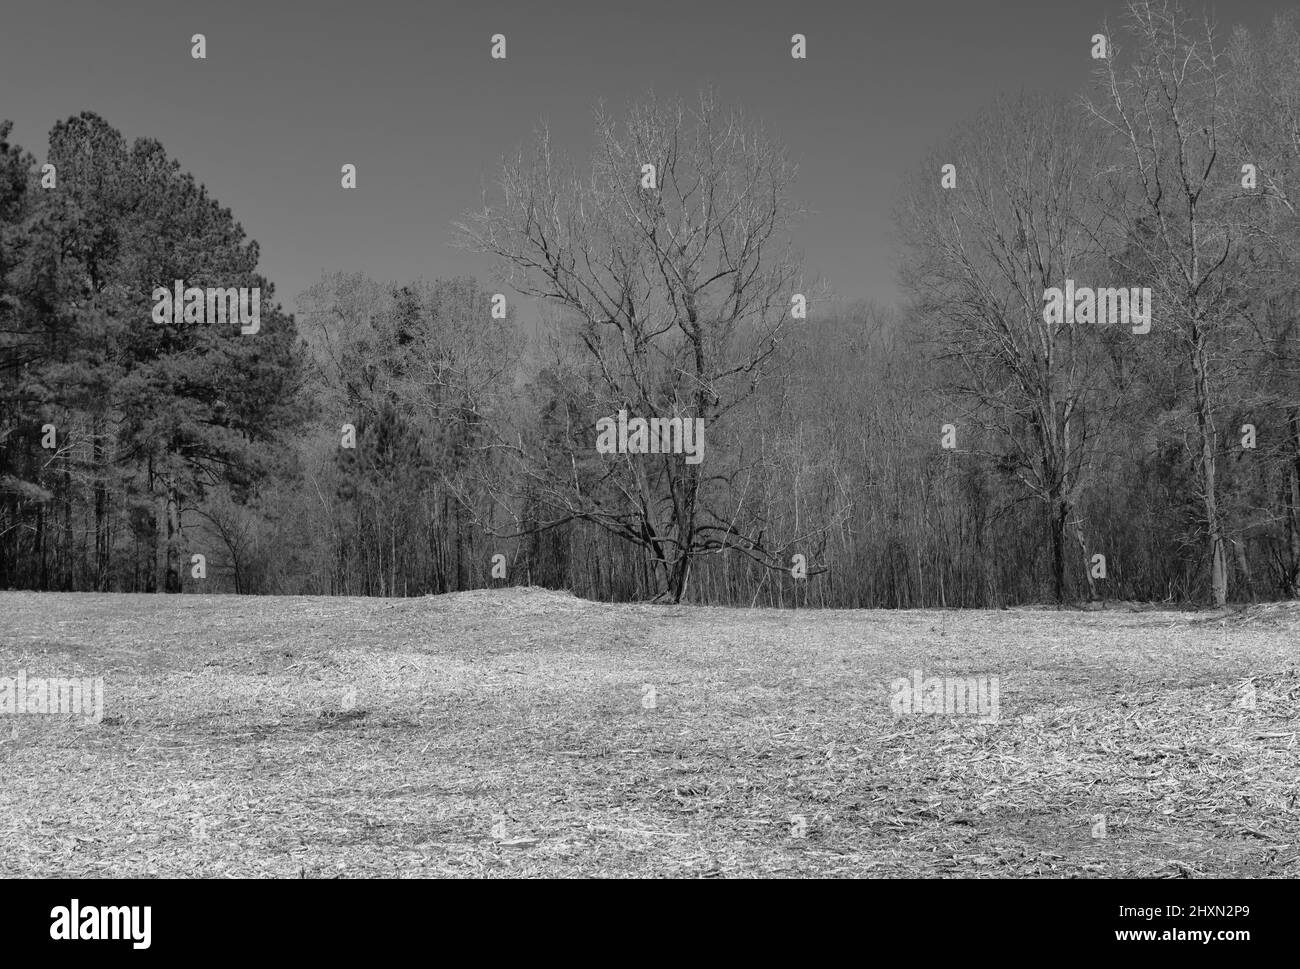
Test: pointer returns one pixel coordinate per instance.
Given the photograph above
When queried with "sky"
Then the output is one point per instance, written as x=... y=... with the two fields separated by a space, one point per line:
x=407 y=92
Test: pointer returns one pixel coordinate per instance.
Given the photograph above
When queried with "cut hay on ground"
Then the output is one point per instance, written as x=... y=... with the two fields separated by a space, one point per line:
x=509 y=732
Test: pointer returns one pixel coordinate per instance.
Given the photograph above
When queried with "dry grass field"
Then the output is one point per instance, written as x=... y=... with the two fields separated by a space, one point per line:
x=514 y=733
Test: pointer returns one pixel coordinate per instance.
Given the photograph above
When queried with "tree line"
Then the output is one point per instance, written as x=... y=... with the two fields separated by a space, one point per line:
x=966 y=448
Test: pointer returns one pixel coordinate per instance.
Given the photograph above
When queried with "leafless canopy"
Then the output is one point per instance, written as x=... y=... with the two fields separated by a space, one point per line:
x=673 y=285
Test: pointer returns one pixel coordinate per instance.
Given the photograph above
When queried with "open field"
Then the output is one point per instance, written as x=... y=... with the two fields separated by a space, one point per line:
x=510 y=732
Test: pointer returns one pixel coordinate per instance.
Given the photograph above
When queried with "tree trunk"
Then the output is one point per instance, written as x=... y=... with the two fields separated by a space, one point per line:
x=175 y=538
x=1243 y=565
x=42 y=572
x=681 y=573
x=1087 y=563
x=101 y=509
x=1059 y=516
x=1209 y=471
x=68 y=560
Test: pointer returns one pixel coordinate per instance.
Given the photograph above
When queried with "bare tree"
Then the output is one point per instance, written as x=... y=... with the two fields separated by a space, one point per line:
x=1020 y=218
x=1264 y=128
x=670 y=264
x=1165 y=110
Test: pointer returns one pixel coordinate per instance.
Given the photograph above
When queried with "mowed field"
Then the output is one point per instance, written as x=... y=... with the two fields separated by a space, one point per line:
x=514 y=733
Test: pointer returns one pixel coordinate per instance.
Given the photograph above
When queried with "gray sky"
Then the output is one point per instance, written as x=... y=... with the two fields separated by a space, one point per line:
x=406 y=91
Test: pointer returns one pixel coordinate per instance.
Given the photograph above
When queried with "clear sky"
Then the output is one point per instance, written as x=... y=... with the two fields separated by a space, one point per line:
x=406 y=91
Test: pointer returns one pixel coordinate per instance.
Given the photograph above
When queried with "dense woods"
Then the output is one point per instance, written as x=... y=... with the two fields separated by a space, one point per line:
x=404 y=438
